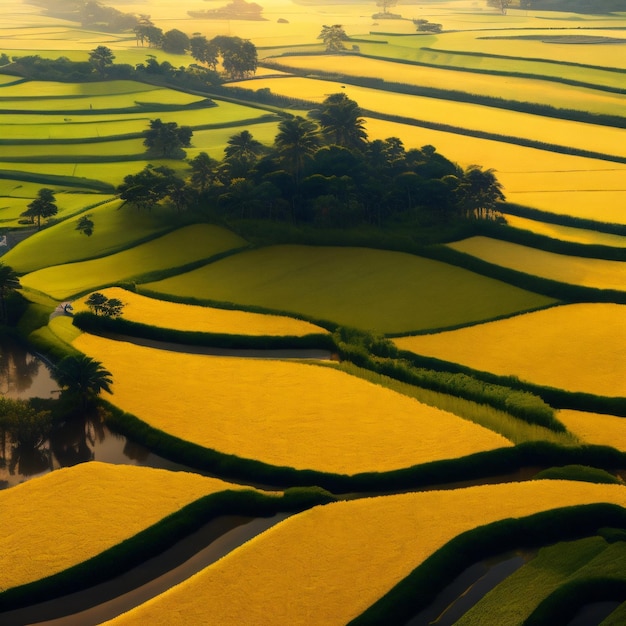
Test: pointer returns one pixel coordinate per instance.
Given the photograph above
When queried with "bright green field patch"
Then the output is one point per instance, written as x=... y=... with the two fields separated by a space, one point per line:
x=188 y=244
x=567 y=233
x=47 y=89
x=514 y=599
x=511 y=43
x=513 y=88
x=577 y=347
x=11 y=208
x=115 y=228
x=54 y=152
x=100 y=102
x=596 y=273
x=385 y=291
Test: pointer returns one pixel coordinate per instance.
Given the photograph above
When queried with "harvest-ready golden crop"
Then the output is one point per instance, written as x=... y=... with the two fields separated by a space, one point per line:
x=576 y=347
x=282 y=413
x=70 y=515
x=164 y=314
x=596 y=273
x=330 y=563
x=596 y=428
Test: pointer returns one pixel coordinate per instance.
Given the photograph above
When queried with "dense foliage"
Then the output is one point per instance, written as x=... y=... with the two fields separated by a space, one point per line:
x=324 y=171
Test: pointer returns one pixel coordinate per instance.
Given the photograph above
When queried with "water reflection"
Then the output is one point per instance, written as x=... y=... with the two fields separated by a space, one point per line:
x=80 y=439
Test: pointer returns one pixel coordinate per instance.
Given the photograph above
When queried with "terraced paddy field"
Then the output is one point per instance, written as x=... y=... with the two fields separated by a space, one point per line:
x=474 y=117
x=371 y=289
x=596 y=428
x=577 y=347
x=557 y=183
x=513 y=88
x=298 y=568
x=115 y=228
x=188 y=317
x=340 y=426
x=567 y=233
x=185 y=245
x=595 y=273
x=70 y=515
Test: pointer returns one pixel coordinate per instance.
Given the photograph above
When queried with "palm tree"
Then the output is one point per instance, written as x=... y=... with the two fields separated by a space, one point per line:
x=203 y=171
x=243 y=146
x=296 y=141
x=481 y=192
x=83 y=377
x=9 y=281
x=341 y=123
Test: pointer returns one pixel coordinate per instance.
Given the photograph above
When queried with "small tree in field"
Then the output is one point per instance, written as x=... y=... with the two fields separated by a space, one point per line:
x=85 y=225
x=42 y=206
x=99 y=304
x=333 y=37
x=386 y=4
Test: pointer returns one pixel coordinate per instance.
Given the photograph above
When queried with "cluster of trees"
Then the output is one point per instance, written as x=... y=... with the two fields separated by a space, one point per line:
x=99 y=304
x=324 y=170
x=237 y=57
x=424 y=26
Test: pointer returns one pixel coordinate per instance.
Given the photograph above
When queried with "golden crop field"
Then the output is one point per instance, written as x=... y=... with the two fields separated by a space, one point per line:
x=567 y=233
x=472 y=116
x=596 y=273
x=187 y=317
x=576 y=347
x=72 y=514
x=282 y=413
x=513 y=88
x=297 y=571
x=185 y=245
x=586 y=196
x=595 y=428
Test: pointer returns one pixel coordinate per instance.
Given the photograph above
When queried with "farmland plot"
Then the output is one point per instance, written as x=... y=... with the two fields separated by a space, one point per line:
x=596 y=428
x=282 y=413
x=595 y=273
x=299 y=568
x=186 y=317
x=474 y=117
x=186 y=245
x=75 y=513
x=513 y=88
x=576 y=347
x=389 y=292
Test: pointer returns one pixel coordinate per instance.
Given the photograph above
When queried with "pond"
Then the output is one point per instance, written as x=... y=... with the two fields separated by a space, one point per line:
x=23 y=375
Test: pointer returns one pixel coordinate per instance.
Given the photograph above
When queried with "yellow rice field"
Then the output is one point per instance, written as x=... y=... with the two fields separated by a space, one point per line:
x=73 y=514
x=513 y=88
x=330 y=563
x=576 y=347
x=164 y=314
x=282 y=413
x=187 y=244
x=471 y=116
x=567 y=233
x=596 y=273
x=596 y=428
x=570 y=185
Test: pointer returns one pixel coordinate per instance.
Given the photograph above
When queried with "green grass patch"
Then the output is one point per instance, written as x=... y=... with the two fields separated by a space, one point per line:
x=115 y=228
x=183 y=246
x=513 y=600
x=579 y=472
x=388 y=292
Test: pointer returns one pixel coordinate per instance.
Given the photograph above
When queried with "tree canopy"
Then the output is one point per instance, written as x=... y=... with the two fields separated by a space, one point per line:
x=167 y=139
x=43 y=206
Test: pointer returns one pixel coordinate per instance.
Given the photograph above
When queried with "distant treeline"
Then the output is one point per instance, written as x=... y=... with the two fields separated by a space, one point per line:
x=575 y=6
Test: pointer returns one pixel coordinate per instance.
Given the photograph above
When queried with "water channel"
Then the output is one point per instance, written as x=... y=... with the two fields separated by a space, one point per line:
x=23 y=375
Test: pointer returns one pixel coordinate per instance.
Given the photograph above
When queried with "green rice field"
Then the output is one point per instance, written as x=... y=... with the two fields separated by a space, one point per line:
x=375 y=289
x=186 y=245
